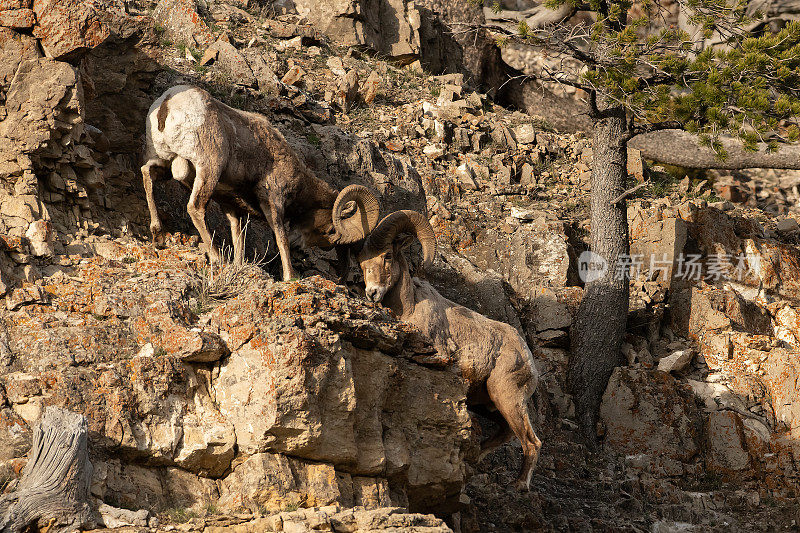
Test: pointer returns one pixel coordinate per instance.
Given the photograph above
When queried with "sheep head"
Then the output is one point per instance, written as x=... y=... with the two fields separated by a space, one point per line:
x=381 y=259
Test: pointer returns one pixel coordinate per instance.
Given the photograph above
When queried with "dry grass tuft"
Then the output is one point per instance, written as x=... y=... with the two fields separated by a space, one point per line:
x=221 y=281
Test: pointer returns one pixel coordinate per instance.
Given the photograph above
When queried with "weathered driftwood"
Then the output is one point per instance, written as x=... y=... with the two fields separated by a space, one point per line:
x=680 y=148
x=53 y=492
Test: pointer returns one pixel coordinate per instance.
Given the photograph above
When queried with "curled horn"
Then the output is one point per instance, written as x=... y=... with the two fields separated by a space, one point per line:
x=405 y=221
x=358 y=226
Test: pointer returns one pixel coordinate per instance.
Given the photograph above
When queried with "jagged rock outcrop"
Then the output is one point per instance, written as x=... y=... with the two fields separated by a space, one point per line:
x=283 y=378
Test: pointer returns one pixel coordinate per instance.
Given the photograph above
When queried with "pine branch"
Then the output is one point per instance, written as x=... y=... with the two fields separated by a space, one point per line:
x=656 y=126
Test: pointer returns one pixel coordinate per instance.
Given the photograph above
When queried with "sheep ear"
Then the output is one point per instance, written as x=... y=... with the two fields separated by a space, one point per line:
x=405 y=241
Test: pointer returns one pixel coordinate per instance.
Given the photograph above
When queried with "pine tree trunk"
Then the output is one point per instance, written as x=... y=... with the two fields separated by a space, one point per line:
x=600 y=324
x=53 y=492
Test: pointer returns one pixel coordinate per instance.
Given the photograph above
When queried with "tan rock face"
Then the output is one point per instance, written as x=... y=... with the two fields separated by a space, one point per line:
x=66 y=29
x=292 y=369
x=275 y=482
x=311 y=393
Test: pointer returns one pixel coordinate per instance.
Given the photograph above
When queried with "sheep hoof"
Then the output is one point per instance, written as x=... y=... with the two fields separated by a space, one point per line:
x=522 y=486
x=158 y=237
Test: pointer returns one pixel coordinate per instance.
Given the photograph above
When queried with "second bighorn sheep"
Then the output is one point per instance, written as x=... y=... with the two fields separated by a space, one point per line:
x=490 y=356
x=241 y=160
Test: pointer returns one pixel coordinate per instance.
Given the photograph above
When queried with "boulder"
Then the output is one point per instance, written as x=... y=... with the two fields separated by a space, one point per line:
x=726 y=453
x=676 y=361
x=533 y=256
x=232 y=63
x=658 y=242
x=17 y=19
x=14 y=48
x=780 y=368
x=648 y=410
x=41 y=90
x=265 y=76
x=391 y=29
x=182 y=23
x=273 y=482
x=40 y=238
x=67 y=29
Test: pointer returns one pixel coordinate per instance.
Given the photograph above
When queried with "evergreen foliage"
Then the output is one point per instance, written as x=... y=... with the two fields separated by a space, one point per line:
x=747 y=85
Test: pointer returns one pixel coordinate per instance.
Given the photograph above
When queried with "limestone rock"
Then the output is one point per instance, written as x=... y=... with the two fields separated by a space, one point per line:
x=533 y=256
x=676 y=361
x=726 y=451
x=265 y=76
x=67 y=29
x=14 y=48
x=659 y=243
x=40 y=237
x=114 y=517
x=15 y=435
x=232 y=63
x=17 y=19
x=319 y=397
x=182 y=23
x=644 y=410
x=347 y=90
x=371 y=87
x=41 y=89
x=392 y=31
x=788 y=225
x=781 y=367
x=525 y=134
x=293 y=76
x=274 y=482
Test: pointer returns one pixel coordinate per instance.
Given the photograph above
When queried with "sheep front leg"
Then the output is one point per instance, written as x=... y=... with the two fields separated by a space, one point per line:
x=237 y=235
x=202 y=189
x=274 y=214
x=156 y=228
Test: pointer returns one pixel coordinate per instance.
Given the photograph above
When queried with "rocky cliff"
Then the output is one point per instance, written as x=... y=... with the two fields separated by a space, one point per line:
x=223 y=400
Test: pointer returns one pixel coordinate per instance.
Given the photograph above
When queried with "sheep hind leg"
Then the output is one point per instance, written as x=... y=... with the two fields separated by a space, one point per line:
x=204 y=183
x=156 y=229
x=511 y=401
x=500 y=437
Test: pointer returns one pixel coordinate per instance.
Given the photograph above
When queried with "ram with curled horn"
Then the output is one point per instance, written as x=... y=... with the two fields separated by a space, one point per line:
x=490 y=356
x=245 y=164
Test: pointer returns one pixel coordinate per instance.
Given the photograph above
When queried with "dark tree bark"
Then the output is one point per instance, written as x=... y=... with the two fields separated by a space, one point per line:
x=597 y=332
x=54 y=489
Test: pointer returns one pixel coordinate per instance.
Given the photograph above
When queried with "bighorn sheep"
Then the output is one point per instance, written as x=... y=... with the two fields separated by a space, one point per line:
x=489 y=355
x=241 y=160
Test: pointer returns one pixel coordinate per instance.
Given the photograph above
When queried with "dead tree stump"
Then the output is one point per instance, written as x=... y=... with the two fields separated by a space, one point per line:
x=53 y=493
